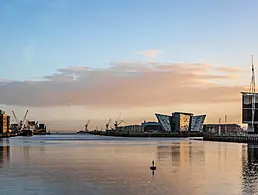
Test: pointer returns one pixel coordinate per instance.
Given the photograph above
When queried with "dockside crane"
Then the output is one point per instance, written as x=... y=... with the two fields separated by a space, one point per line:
x=118 y=122
x=23 y=124
x=108 y=123
x=14 y=115
x=86 y=125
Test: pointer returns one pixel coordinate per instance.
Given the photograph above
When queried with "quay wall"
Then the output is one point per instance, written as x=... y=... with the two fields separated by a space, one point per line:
x=232 y=138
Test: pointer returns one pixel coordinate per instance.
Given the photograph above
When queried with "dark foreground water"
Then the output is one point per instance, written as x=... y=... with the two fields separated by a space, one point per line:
x=86 y=164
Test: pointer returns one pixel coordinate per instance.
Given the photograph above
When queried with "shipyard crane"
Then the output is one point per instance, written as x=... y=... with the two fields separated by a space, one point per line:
x=108 y=123
x=86 y=125
x=23 y=124
x=118 y=122
x=14 y=115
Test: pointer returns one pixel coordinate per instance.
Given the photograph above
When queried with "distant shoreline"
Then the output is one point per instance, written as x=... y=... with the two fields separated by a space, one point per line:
x=161 y=134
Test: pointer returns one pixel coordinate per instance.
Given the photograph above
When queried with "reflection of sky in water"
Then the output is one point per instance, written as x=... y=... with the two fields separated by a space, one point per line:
x=98 y=165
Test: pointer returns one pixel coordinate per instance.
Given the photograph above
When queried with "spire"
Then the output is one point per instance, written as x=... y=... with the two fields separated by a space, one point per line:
x=252 y=91
x=252 y=84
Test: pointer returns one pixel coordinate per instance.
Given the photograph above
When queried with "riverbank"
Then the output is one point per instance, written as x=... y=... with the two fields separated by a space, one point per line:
x=7 y=135
x=160 y=134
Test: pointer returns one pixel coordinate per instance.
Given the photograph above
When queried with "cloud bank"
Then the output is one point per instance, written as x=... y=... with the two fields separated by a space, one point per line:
x=125 y=84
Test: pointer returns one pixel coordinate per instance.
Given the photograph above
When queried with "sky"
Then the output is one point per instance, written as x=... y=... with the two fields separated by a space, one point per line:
x=68 y=61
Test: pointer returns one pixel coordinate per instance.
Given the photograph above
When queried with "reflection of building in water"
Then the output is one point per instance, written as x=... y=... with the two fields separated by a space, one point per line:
x=250 y=169
x=182 y=153
x=4 y=151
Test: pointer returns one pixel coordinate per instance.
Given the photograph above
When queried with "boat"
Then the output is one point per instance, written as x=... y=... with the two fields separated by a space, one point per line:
x=81 y=131
x=26 y=132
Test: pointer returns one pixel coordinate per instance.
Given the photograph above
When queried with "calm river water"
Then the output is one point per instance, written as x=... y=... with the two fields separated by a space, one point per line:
x=87 y=164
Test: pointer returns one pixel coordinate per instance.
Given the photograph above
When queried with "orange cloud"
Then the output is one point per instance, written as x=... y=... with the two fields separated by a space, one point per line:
x=229 y=69
x=123 y=84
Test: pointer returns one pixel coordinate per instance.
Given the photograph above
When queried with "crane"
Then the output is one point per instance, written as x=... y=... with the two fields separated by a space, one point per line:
x=86 y=125
x=15 y=117
x=118 y=122
x=23 y=124
x=108 y=123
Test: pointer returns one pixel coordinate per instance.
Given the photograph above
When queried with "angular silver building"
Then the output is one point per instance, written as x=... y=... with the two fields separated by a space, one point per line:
x=164 y=120
x=180 y=122
x=196 y=122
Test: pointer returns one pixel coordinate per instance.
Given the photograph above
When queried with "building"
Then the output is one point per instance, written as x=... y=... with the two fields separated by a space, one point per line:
x=250 y=111
x=180 y=122
x=151 y=127
x=220 y=129
x=4 y=122
x=196 y=122
x=165 y=122
x=130 y=129
x=177 y=122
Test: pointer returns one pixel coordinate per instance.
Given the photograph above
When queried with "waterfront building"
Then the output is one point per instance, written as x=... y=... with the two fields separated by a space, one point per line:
x=151 y=127
x=250 y=111
x=130 y=129
x=4 y=122
x=165 y=122
x=250 y=106
x=177 y=122
x=221 y=129
x=180 y=122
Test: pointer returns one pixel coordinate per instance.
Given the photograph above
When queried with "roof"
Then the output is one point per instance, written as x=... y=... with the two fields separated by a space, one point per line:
x=186 y=113
x=151 y=123
x=248 y=93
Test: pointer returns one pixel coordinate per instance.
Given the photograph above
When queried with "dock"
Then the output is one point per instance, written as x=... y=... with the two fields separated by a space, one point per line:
x=248 y=138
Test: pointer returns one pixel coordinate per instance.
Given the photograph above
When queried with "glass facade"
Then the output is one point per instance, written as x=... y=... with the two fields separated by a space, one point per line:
x=184 y=122
x=164 y=120
x=196 y=123
x=180 y=122
x=247 y=102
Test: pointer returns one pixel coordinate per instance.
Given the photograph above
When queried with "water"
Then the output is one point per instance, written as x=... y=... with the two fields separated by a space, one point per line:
x=87 y=164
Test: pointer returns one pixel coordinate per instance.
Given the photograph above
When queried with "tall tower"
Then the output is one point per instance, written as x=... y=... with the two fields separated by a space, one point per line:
x=252 y=92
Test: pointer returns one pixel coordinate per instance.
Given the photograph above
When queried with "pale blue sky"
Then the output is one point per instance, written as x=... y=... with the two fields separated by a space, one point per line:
x=38 y=37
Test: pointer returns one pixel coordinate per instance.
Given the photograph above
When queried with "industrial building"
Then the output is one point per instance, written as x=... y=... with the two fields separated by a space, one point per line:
x=180 y=122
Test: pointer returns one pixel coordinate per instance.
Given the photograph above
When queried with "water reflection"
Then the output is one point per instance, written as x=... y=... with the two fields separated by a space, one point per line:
x=250 y=169
x=183 y=167
x=181 y=153
x=4 y=151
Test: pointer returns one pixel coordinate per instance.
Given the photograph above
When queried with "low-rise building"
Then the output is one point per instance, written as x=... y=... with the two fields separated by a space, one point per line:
x=222 y=129
x=130 y=129
x=151 y=127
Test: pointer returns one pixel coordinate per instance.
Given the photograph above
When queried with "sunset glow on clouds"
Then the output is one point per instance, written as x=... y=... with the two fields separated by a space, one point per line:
x=128 y=86
x=68 y=61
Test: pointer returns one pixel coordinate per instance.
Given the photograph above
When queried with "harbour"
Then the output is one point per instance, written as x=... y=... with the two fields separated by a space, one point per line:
x=105 y=165
x=23 y=127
